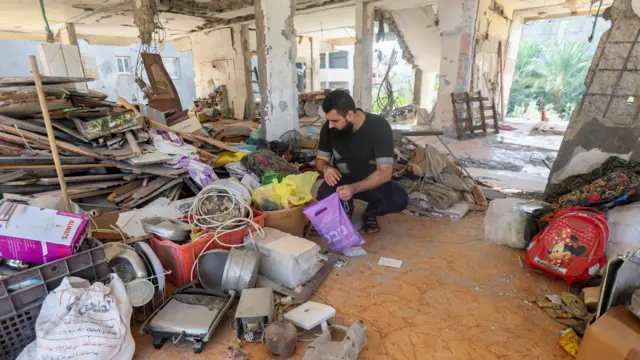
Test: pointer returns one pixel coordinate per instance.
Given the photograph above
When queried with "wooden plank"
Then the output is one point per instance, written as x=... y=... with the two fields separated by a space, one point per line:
x=21 y=182
x=43 y=140
x=133 y=143
x=135 y=202
x=124 y=191
x=9 y=149
x=419 y=133
x=12 y=176
x=90 y=193
x=154 y=169
x=65 y=167
x=53 y=144
x=11 y=81
x=87 y=178
x=44 y=160
x=155 y=157
x=151 y=187
x=68 y=130
x=81 y=188
x=30 y=126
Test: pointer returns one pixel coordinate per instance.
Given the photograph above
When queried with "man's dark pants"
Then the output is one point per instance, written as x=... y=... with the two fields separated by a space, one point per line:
x=388 y=198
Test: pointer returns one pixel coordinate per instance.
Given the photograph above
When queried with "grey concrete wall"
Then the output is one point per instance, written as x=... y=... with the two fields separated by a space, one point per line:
x=108 y=80
x=606 y=122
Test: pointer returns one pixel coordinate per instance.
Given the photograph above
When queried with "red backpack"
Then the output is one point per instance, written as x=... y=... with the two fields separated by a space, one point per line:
x=571 y=246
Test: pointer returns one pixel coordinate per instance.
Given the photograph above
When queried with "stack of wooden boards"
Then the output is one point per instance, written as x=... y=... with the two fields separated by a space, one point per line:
x=104 y=147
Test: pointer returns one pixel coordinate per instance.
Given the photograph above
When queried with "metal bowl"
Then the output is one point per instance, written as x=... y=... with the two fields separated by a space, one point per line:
x=128 y=265
x=167 y=228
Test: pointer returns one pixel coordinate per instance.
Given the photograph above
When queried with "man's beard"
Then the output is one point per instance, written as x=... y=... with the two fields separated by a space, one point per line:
x=345 y=132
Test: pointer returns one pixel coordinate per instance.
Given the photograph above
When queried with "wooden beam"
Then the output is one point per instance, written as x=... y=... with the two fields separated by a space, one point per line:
x=42 y=97
x=64 y=167
x=43 y=140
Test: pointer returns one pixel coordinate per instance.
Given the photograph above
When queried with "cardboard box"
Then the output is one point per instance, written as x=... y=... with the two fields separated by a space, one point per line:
x=614 y=336
x=38 y=235
x=291 y=220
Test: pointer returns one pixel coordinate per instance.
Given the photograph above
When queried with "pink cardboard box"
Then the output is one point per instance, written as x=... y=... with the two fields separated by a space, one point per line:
x=37 y=235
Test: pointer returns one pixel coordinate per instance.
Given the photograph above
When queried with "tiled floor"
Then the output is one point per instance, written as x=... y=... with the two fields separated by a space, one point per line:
x=455 y=297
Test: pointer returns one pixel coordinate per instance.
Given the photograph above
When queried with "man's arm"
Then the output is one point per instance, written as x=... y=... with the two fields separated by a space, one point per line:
x=382 y=175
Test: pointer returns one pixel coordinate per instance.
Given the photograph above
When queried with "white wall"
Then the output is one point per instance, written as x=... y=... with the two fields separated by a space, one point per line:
x=340 y=75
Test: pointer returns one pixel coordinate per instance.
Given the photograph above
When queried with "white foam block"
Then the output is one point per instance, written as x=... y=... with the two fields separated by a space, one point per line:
x=310 y=315
x=390 y=262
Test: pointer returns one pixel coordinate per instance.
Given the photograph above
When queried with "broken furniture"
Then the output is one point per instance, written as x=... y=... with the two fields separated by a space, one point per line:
x=469 y=114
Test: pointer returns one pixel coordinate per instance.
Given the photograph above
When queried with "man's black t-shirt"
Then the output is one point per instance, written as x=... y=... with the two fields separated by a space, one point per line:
x=356 y=154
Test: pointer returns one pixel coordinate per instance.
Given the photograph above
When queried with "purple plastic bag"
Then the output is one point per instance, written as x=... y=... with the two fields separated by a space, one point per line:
x=331 y=222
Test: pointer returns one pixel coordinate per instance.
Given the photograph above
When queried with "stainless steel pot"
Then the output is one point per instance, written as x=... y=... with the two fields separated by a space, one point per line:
x=241 y=270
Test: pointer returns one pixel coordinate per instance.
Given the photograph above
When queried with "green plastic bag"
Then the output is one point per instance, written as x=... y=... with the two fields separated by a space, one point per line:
x=272 y=176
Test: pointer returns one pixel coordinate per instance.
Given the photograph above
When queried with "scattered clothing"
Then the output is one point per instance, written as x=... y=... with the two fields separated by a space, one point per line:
x=604 y=192
x=264 y=160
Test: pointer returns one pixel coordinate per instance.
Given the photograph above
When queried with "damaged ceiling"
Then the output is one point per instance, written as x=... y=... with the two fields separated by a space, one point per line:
x=94 y=19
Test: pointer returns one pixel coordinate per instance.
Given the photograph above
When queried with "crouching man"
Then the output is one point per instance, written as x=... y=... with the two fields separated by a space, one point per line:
x=355 y=154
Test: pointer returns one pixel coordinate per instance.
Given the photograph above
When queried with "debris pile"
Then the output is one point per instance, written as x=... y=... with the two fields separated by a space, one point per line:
x=104 y=148
x=437 y=186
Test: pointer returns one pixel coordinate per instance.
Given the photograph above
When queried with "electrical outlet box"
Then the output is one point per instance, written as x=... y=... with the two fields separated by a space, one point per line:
x=254 y=314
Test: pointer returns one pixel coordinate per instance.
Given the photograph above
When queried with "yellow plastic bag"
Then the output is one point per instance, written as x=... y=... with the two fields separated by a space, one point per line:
x=303 y=182
x=226 y=157
x=294 y=190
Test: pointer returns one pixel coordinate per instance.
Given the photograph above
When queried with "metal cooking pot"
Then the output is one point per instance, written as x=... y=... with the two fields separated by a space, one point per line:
x=211 y=265
x=241 y=270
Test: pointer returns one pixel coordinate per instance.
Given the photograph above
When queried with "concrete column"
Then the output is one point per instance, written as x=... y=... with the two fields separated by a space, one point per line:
x=363 y=67
x=246 y=57
x=457 y=25
x=277 y=67
x=312 y=70
x=427 y=94
x=513 y=45
x=417 y=87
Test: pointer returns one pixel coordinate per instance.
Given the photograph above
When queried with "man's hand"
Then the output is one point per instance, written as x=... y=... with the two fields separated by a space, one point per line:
x=331 y=175
x=346 y=192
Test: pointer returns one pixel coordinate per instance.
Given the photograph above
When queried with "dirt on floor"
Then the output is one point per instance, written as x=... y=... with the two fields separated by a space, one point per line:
x=455 y=297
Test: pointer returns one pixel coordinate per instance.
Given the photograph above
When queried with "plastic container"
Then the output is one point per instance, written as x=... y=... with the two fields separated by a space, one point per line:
x=179 y=259
x=22 y=294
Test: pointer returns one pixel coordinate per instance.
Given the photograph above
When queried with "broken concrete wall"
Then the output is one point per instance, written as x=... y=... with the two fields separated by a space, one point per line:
x=493 y=24
x=218 y=60
x=606 y=121
x=458 y=29
x=420 y=34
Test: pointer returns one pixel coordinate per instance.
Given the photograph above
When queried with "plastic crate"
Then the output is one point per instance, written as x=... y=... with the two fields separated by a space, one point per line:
x=19 y=307
x=179 y=259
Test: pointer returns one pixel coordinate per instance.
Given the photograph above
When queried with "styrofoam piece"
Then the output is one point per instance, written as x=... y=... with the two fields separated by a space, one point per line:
x=384 y=261
x=355 y=251
x=310 y=315
x=287 y=259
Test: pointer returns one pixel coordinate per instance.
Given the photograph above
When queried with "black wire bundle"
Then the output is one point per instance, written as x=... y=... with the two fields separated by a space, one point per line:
x=387 y=102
